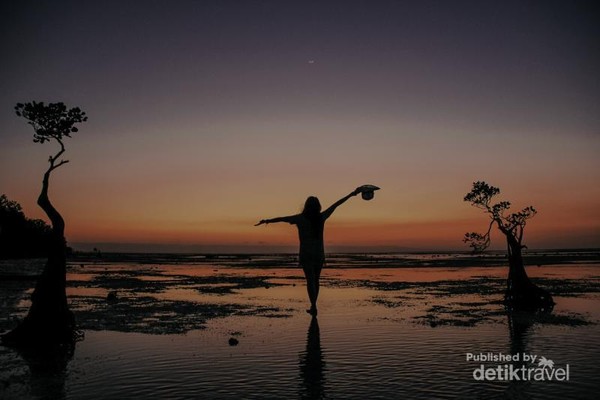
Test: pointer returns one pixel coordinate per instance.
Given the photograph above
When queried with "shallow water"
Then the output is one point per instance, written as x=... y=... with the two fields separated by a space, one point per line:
x=374 y=337
x=352 y=359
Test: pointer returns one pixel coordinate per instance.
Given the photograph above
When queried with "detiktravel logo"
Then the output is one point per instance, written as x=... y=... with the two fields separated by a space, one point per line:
x=530 y=367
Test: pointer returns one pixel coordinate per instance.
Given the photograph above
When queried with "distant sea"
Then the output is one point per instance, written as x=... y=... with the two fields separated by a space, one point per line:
x=352 y=259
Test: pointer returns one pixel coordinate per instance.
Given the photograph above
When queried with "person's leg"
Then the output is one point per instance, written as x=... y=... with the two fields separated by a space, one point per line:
x=312 y=288
x=317 y=281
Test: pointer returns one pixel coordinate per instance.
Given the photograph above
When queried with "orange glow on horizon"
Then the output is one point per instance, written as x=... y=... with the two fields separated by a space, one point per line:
x=442 y=235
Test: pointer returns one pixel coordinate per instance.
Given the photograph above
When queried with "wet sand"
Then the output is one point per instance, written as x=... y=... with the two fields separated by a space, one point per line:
x=388 y=325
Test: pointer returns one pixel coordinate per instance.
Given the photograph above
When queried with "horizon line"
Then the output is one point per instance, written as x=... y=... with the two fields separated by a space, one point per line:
x=170 y=248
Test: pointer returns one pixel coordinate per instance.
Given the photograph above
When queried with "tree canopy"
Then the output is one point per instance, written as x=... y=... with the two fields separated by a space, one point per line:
x=51 y=121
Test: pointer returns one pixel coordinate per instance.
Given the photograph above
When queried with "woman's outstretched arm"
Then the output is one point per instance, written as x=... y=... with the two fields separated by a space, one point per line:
x=291 y=219
x=327 y=213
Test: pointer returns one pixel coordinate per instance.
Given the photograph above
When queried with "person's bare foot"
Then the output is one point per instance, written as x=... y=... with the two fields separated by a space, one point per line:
x=312 y=311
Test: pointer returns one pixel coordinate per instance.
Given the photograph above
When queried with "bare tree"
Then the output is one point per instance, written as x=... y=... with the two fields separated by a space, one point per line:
x=49 y=320
x=521 y=293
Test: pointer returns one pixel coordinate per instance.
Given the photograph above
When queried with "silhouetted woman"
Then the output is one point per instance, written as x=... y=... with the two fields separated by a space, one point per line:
x=310 y=223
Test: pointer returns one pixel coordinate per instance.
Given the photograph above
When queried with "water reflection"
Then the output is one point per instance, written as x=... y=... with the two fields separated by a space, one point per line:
x=312 y=365
x=48 y=369
x=520 y=325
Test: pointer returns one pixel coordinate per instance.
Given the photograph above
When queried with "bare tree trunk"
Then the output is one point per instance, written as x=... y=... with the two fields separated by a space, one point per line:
x=49 y=320
x=521 y=293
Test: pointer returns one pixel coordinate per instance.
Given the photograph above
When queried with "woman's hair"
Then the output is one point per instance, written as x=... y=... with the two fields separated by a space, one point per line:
x=312 y=212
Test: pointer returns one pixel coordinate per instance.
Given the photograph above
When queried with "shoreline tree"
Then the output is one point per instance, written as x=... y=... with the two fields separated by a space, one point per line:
x=21 y=237
x=521 y=293
x=49 y=320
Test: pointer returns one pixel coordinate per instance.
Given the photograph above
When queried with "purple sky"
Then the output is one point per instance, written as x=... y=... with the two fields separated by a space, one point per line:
x=205 y=116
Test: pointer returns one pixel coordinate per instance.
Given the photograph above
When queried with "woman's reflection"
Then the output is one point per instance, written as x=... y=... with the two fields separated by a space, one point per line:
x=312 y=365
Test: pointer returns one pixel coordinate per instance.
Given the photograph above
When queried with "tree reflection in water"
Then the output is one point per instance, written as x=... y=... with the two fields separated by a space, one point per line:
x=48 y=369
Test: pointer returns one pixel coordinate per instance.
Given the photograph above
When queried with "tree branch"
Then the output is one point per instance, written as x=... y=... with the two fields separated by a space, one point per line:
x=53 y=167
x=521 y=231
x=52 y=159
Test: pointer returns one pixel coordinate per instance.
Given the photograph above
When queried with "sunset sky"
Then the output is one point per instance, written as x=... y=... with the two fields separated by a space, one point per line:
x=207 y=116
